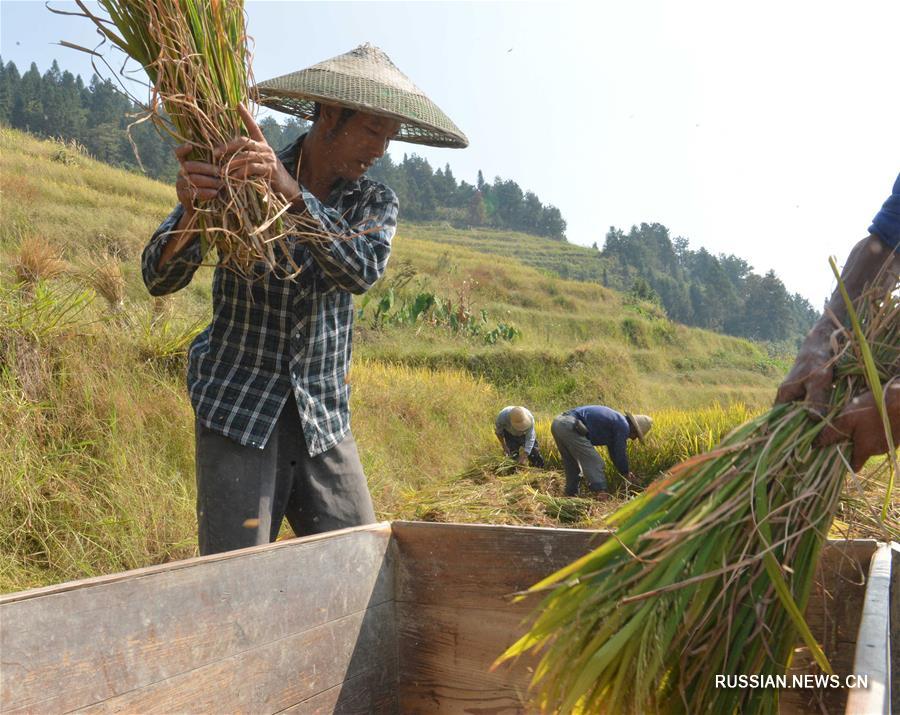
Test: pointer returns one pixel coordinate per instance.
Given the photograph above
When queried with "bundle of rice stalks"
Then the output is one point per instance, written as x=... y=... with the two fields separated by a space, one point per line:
x=709 y=570
x=196 y=54
x=36 y=261
x=105 y=276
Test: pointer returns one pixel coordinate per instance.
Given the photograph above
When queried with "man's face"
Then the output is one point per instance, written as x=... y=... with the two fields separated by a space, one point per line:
x=356 y=143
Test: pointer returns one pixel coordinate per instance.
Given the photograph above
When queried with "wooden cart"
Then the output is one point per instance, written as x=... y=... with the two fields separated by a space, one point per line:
x=391 y=618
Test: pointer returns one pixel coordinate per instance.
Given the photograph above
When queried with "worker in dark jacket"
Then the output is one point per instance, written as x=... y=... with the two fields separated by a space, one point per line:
x=579 y=430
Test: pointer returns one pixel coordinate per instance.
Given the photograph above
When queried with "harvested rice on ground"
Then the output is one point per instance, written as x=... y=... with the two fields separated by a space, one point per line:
x=710 y=570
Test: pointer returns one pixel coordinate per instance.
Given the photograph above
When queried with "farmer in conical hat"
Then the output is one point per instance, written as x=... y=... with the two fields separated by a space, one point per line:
x=873 y=262
x=514 y=429
x=576 y=433
x=268 y=377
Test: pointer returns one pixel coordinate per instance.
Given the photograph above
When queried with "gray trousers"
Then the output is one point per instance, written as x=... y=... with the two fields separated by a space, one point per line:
x=578 y=456
x=243 y=493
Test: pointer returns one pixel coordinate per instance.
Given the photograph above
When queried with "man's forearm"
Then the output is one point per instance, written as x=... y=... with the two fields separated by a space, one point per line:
x=870 y=263
x=184 y=234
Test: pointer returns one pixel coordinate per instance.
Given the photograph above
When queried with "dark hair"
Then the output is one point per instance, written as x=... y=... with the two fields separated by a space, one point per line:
x=346 y=113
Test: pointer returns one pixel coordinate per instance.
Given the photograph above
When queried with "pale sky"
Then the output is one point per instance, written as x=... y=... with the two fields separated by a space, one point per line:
x=767 y=129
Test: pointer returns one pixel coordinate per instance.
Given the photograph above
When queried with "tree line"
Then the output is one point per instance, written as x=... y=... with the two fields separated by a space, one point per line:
x=721 y=293
x=98 y=116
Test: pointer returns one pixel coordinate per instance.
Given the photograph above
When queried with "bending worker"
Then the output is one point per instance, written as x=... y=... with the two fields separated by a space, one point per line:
x=514 y=428
x=873 y=262
x=579 y=430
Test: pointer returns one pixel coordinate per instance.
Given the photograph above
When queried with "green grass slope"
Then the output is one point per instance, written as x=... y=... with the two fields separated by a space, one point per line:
x=96 y=432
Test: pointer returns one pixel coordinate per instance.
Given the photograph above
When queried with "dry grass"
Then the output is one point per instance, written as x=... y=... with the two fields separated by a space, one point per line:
x=104 y=275
x=96 y=447
x=37 y=260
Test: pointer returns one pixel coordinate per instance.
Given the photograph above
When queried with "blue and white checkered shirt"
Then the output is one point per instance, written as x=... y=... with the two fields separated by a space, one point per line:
x=271 y=337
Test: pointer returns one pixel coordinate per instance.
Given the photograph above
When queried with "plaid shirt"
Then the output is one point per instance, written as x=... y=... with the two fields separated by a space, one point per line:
x=271 y=337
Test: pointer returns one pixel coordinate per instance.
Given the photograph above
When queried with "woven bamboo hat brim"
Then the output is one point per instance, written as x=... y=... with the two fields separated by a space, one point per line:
x=364 y=79
x=641 y=424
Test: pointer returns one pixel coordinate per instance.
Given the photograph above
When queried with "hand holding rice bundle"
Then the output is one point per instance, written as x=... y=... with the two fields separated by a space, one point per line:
x=709 y=570
x=232 y=185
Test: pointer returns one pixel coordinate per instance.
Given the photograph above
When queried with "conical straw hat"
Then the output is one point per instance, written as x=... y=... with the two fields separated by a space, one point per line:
x=367 y=80
x=641 y=424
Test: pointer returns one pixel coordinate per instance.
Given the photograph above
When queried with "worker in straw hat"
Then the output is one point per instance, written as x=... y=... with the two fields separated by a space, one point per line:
x=514 y=428
x=268 y=377
x=578 y=431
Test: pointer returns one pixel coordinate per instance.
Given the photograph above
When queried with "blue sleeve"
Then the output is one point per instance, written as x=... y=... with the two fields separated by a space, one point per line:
x=618 y=452
x=530 y=440
x=353 y=257
x=886 y=224
x=178 y=270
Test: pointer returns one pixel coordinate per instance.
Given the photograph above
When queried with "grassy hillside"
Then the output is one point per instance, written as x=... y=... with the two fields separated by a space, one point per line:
x=96 y=433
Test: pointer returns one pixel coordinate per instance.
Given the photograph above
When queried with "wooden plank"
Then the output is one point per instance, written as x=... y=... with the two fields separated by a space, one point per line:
x=445 y=659
x=279 y=675
x=446 y=569
x=183 y=563
x=833 y=614
x=76 y=645
x=481 y=566
x=873 y=643
x=455 y=615
x=366 y=694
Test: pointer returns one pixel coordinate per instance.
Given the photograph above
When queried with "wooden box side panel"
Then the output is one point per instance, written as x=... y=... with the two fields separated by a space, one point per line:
x=833 y=614
x=260 y=630
x=454 y=613
x=455 y=616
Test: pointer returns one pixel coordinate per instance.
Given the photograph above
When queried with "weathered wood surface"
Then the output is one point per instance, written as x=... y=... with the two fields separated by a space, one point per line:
x=873 y=641
x=833 y=614
x=403 y=618
x=445 y=655
x=455 y=616
x=372 y=693
x=278 y=675
x=215 y=629
x=453 y=586
x=895 y=628
x=481 y=566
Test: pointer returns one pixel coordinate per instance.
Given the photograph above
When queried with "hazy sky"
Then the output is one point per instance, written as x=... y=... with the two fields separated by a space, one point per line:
x=765 y=129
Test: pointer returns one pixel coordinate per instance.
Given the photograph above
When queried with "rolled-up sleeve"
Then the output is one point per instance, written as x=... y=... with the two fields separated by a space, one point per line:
x=353 y=257
x=179 y=269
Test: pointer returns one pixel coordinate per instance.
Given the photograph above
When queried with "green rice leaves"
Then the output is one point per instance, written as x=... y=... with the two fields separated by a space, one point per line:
x=710 y=569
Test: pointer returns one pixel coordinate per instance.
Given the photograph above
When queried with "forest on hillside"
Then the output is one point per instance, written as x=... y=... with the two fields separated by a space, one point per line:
x=720 y=293
x=694 y=287
x=97 y=115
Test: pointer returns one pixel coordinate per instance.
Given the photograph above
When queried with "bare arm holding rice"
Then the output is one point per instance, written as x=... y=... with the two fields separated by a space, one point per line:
x=873 y=262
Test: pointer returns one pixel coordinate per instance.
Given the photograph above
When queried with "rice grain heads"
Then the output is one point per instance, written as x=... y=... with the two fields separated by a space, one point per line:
x=197 y=57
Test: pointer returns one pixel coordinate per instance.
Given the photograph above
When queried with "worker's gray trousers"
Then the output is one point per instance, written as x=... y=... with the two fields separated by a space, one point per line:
x=578 y=456
x=243 y=493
